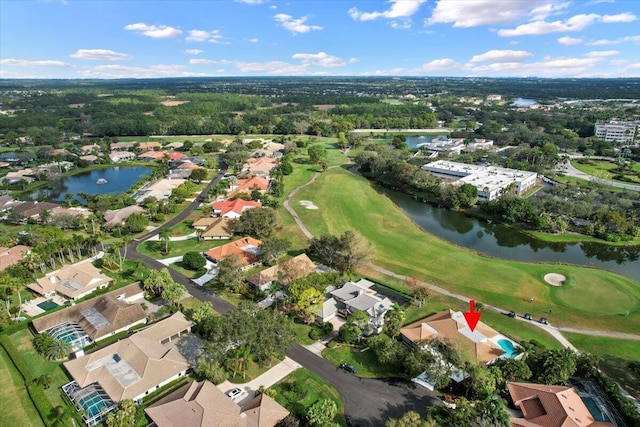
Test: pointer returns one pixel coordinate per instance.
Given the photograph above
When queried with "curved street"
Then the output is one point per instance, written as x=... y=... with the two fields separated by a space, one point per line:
x=568 y=169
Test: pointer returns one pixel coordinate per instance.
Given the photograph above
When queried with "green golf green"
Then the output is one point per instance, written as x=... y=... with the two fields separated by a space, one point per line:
x=585 y=292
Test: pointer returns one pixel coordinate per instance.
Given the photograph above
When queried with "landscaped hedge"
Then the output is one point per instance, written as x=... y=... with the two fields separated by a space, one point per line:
x=625 y=406
x=36 y=394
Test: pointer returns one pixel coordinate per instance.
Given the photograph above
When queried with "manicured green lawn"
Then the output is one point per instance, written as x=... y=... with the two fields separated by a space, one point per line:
x=313 y=389
x=364 y=361
x=302 y=333
x=577 y=237
x=16 y=408
x=347 y=201
x=155 y=248
x=625 y=349
x=603 y=169
x=570 y=180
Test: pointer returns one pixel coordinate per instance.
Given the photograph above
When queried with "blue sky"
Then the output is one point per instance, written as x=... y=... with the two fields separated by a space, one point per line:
x=495 y=38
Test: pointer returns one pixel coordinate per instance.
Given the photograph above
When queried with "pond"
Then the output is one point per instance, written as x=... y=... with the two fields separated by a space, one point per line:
x=523 y=102
x=118 y=180
x=413 y=141
x=499 y=241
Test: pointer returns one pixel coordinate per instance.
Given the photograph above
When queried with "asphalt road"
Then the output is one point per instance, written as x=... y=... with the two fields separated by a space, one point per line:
x=368 y=402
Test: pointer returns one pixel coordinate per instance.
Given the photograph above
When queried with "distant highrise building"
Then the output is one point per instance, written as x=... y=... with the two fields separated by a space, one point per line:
x=624 y=132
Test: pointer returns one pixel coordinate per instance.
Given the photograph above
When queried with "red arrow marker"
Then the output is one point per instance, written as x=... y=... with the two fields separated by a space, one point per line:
x=472 y=317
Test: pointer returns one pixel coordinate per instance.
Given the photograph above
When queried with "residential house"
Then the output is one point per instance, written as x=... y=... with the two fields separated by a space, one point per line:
x=91 y=158
x=88 y=149
x=286 y=271
x=247 y=248
x=482 y=345
x=97 y=318
x=128 y=369
x=175 y=156
x=74 y=212
x=213 y=228
x=27 y=175
x=122 y=145
x=248 y=185
x=260 y=166
x=33 y=209
x=174 y=145
x=233 y=208
x=12 y=255
x=118 y=216
x=60 y=152
x=353 y=296
x=151 y=156
x=202 y=404
x=551 y=406
x=161 y=189
x=122 y=156
x=72 y=281
x=7 y=202
x=153 y=145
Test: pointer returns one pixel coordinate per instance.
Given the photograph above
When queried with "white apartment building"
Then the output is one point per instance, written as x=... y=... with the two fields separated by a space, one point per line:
x=618 y=131
x=490 y=181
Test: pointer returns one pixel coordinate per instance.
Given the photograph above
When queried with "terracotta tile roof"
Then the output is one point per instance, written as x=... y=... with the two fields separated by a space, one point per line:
x=251 y=183
x=134 y=365
x=175 y=156
x=261 y=165
x=157 y=155
x=149 y=145
x=204 y=405
x=245 y=248
x=12 y=255
x=234 y=207
x=550 y=406
x=119 y=313
x=451 y=325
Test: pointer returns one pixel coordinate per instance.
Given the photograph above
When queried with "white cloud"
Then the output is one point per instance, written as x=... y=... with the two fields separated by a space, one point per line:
x=154 y=31
x=254 y=40
x=251 y=1
x=212 y=36
x=575 y=23
x=604 y=42
x=47 y=63
x=544 y=11
x=569 y=41
x=272 y=67
x=321 y=59
x=99 y=55
x=353 y=60
x=398 y=9
x=295 y=25
x=202 y=61
x=121 y=71
x=621 y=17
x=601 y=53
x=483 y=12
x=403 y=24
x=502 y=56
x=439 y=64
x=193 y=51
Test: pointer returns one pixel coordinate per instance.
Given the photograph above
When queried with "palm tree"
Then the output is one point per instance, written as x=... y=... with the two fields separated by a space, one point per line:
x=45 y=216
x=165 y=235
x=57 y=350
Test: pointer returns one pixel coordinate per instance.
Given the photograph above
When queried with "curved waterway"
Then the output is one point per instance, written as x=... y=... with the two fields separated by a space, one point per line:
x=499 y=241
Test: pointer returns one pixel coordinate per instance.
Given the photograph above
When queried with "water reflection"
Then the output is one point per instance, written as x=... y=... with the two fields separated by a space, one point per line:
x=500 y=241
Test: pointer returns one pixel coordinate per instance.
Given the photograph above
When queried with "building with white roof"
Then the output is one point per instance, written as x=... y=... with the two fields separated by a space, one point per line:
x=490 y=181
x=618 y=131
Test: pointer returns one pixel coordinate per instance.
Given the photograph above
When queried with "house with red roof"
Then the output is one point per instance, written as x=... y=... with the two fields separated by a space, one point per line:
x=250 y=184
x=233 y=208
x=246 y=248
x=152 y=155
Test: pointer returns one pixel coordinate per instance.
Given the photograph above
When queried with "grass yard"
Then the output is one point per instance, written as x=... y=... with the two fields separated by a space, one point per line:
x=579 y=182
x=569 y=237
x=603 y=169
x=617 y=347
x=301 y=332
x=364 y=361
x=308 y=390
x=347 y=201
x=16 y=409
x=155 y=248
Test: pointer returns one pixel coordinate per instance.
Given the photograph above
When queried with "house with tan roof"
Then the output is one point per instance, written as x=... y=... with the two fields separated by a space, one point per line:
x=151 y=155
x=97 y=318
x=27 y=175
x=122 y=156
x=91 y=158
x=33 y=209
x=233 y=208
x=551 y=406
x=118 y=216
x=260 y=166
x=130 y=368
x=202 y=404
x=153 y=145
x=482 y=345
x=247 y=248
x=12 y=255
x=72 y=281
x=74 y=212
x=88 y=149
x=213 y=228
x=284 y=272
x=122 y=145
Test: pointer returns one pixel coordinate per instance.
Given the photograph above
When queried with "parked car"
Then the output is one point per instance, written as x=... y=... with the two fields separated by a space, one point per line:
x=349 y=368
x=544 y=321
x=235 y=393
x=511 y=314
x=528 y=316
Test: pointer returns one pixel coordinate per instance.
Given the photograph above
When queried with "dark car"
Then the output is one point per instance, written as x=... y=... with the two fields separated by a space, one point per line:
x=349 y=368
x=511 y=314
x=528 y=316
x=544 y=321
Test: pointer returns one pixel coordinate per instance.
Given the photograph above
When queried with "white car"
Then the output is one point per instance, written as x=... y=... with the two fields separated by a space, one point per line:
x=236 y=393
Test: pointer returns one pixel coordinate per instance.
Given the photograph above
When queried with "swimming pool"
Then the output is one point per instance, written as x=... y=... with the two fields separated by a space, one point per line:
x=92 y=401
x=595 y=409
x=48 y=305
x=509 y=348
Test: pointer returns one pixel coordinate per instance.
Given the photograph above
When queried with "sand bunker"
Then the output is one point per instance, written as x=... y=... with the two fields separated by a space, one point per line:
x=555 y=279
x=307 y=204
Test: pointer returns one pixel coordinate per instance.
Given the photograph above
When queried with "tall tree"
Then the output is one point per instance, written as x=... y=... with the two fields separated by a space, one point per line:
x=165 y=236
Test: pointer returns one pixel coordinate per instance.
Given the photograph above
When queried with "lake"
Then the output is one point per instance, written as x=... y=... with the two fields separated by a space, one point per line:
x=413 y=141
x=499 y=241
x=119 y=179
x=523 y=102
